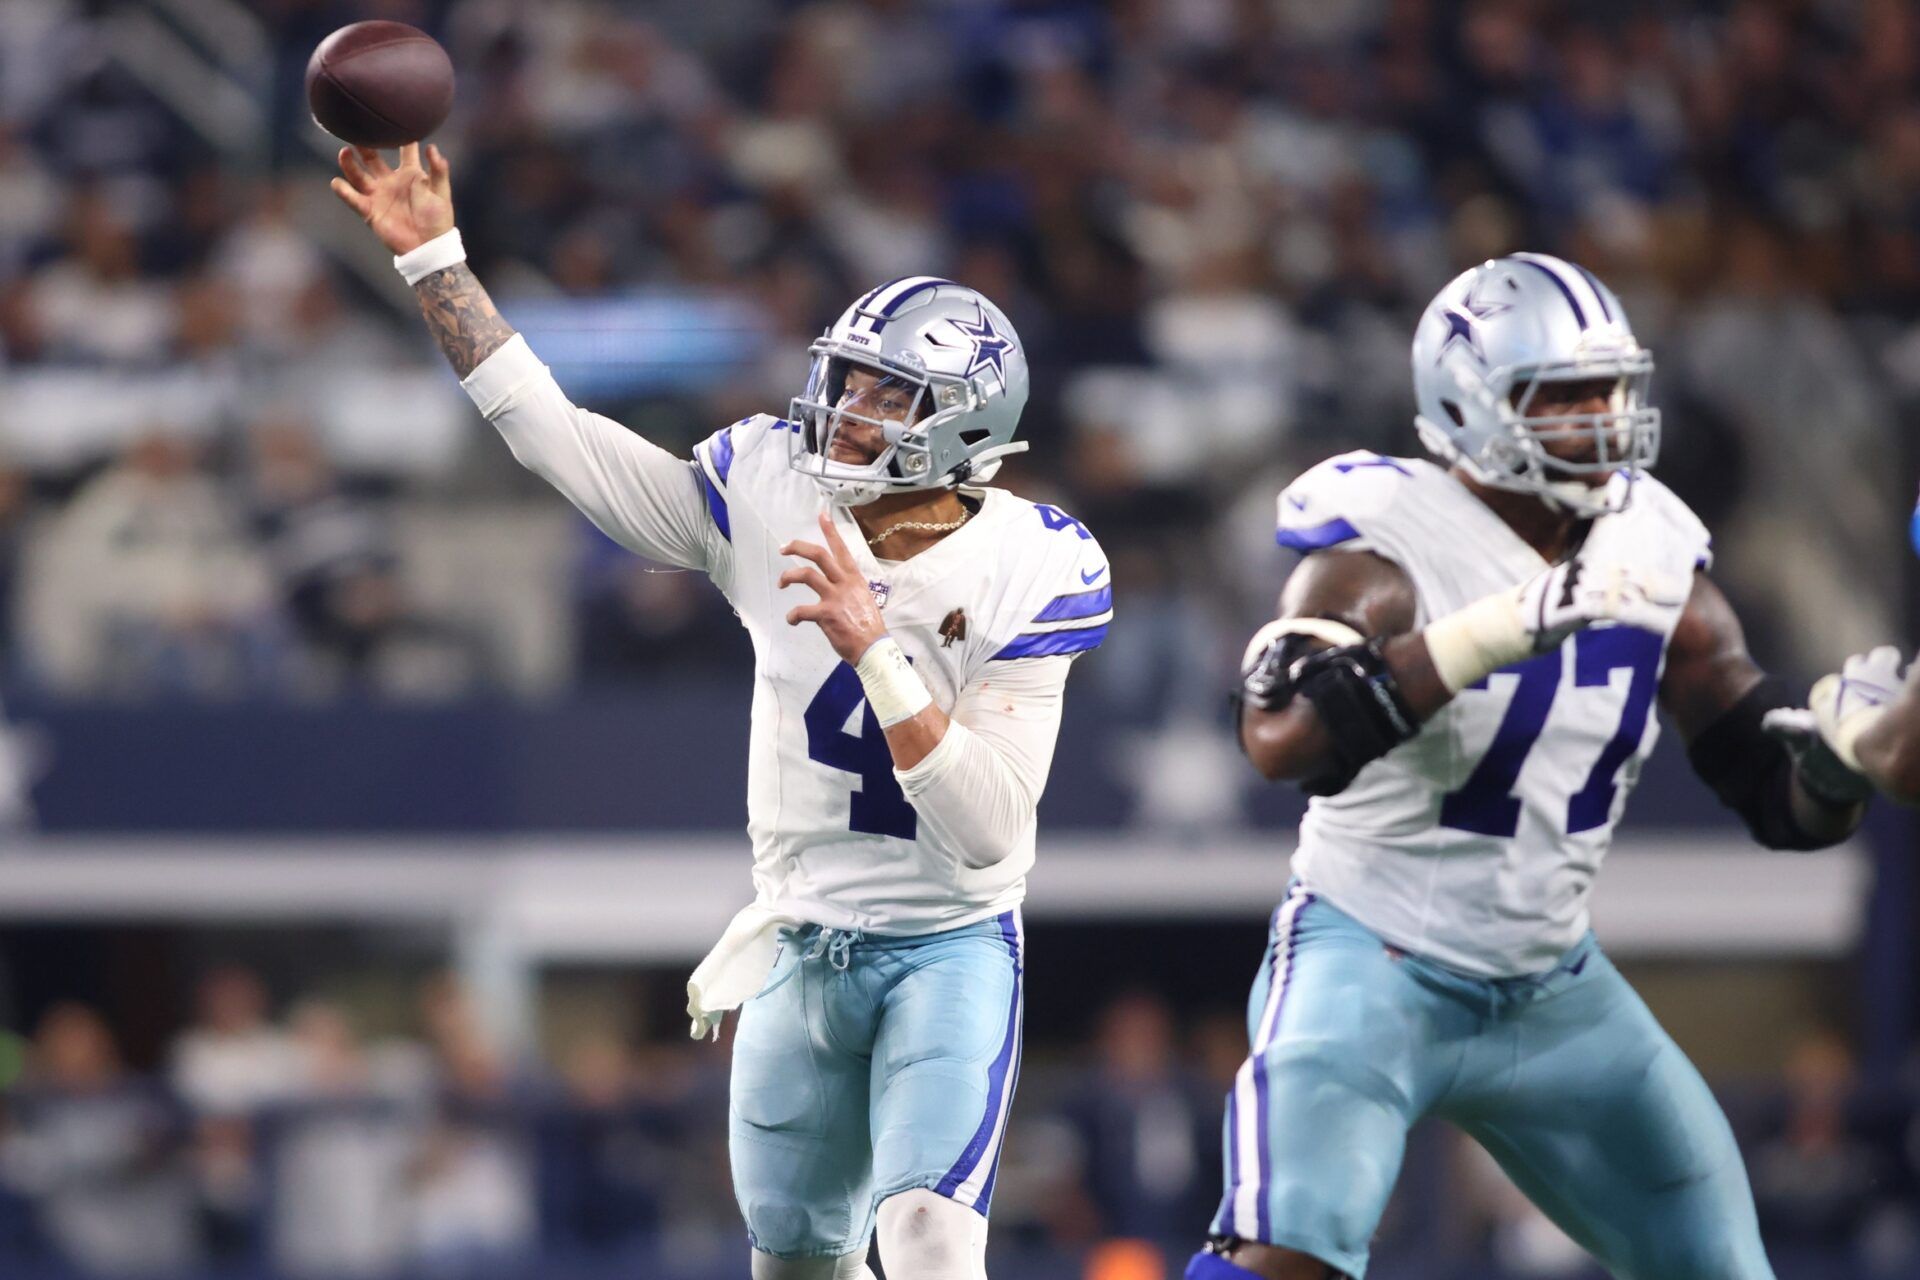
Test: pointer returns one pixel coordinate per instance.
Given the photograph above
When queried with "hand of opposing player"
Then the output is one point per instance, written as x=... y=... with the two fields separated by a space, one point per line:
x=406 y=206
x=1842 y=706
x=845 y=611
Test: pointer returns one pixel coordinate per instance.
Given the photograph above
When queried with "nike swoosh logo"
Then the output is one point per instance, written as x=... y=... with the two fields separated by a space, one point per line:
x=1089 y=577
x=1296 y=502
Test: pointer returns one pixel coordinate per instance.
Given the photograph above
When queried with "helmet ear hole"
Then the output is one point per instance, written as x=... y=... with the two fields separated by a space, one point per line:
x=1453 y=411
x=974 y=435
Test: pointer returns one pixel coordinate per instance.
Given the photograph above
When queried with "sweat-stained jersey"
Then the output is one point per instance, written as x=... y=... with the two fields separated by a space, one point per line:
x=1476 y=843
x=990 y=617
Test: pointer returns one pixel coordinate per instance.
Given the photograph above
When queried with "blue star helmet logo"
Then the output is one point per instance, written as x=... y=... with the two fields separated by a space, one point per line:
x=990 y=346
x=1460 y=323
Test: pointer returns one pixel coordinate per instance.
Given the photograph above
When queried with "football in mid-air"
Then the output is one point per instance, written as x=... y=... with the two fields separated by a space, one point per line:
x=379 y=84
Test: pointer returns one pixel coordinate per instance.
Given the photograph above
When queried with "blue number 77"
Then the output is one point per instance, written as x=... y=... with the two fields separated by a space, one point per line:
x=1485 y=803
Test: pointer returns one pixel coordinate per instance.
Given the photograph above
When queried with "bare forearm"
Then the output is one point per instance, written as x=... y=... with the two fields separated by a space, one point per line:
x=461 y=317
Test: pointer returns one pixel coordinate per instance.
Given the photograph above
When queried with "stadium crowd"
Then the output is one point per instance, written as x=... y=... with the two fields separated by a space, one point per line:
x=295 y=1145
x=225 y=451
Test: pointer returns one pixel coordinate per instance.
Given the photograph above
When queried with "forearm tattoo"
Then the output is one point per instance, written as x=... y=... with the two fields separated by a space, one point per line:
x=462 y=317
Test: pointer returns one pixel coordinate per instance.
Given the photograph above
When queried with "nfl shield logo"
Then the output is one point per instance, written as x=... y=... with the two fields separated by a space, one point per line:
x=880 y=592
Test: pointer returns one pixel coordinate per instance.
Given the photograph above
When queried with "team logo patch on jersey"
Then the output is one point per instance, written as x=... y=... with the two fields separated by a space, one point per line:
x=880 y=591
x=953 y=627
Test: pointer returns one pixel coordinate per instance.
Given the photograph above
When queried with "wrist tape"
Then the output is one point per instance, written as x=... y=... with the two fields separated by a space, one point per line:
x=437 y=254
x=894 y=692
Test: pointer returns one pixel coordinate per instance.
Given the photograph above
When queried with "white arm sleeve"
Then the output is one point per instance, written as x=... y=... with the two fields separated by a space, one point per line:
x=978 y=789
x=640 y=495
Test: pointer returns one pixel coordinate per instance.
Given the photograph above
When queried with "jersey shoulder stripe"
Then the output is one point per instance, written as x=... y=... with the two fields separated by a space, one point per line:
x=1041 y=644
x=716 y=504
x=1078 y=604
x=722 y=453
x=1339 y=501
x=714 y=460
x=1318 y=537
x=1064 y=601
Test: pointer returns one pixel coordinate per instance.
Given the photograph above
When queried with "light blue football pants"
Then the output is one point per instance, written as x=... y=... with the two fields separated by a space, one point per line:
x=871 y=1066
x=1565 y=1078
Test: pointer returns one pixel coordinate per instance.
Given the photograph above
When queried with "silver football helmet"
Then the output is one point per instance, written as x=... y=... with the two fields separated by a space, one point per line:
x=1488 y=343
x=965 y=368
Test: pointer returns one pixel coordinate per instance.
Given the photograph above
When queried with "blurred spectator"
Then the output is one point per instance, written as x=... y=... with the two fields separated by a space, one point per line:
x=472 y=1192
x=148 y=583
x=1149 y=1130
x=342 y=1149
x=227 y=1067
x=16 y=511
x=95 y=304
x=331 y=555
x=638 y=619
x=1822 y=1178
x=98 y=1153
x=232 y=1060
x=271 y=265
x=22 y=759
x=607 y=1153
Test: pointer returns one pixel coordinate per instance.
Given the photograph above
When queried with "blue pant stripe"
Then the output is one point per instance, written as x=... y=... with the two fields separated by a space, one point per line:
x=1286 y=931
x=997 y=1075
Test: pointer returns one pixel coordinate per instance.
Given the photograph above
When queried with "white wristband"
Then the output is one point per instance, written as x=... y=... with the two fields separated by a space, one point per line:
x=894 y=692
x=1474 y=642
x=437 y=254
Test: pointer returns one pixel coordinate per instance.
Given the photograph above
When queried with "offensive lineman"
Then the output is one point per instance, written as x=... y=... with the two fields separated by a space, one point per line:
x=1462 y=676
x=899 y=743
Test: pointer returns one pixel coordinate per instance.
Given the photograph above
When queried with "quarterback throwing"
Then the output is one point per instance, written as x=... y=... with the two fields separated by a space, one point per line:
x=912 y=632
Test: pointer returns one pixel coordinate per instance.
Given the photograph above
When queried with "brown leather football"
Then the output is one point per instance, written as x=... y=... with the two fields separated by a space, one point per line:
x=379 y=84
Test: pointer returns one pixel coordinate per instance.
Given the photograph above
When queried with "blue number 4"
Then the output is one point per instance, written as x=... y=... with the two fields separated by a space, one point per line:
x=879 y=807
x=1485 y=803
x=1054 y=518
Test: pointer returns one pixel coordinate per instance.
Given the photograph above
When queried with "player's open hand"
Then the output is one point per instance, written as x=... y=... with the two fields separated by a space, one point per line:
x=406 y=206
x=1571 y=596
x=1822 y=735
x=845 y=611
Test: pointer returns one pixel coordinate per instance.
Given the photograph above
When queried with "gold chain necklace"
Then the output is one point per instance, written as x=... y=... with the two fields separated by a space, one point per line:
x=924 y=526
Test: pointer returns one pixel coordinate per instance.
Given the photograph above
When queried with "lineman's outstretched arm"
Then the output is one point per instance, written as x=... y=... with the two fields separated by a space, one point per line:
x=639 y=494
x=1341 y=677
x=1366 y=596
x=1719 y=698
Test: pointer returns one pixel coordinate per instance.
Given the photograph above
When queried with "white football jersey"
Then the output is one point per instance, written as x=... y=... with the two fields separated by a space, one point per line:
x=1476 y=842
x=835 y=840
x=991 y=616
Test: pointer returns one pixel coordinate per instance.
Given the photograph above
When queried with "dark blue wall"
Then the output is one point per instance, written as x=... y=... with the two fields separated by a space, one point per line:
x=665 y=757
